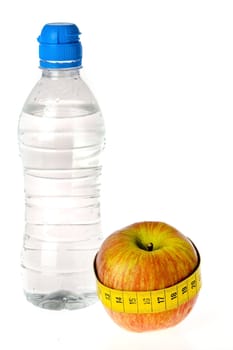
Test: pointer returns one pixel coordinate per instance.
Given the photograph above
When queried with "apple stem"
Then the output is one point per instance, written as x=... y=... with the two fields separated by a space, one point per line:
x=150 y=247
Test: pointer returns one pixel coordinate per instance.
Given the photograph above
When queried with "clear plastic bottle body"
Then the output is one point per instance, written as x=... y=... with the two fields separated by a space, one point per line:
x=61 y=138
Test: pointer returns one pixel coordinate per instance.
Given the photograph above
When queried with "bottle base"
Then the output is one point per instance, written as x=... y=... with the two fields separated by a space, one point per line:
x=62 y=300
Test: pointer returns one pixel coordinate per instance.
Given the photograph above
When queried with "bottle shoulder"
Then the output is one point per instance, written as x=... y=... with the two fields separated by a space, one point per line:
x=68 y=96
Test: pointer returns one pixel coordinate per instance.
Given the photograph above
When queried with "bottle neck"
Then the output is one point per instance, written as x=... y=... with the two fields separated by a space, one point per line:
x=61 y=73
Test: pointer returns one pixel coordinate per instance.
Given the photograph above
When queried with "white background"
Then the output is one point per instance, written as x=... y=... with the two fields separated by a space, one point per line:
x=162 y=72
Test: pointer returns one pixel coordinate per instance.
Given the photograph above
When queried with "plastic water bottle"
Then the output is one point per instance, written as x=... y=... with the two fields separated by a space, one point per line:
x=61 y=137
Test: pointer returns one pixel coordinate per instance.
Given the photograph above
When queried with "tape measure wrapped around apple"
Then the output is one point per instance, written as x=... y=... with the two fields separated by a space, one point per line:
x=148 y=276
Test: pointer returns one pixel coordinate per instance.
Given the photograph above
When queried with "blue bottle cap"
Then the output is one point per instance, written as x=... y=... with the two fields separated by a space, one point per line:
x=60 y=46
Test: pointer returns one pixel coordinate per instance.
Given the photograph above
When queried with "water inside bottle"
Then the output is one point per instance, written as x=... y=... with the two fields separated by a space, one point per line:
x=61 y=158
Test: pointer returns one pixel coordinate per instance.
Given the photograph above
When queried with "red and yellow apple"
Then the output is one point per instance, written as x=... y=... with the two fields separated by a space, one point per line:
x=146 y=256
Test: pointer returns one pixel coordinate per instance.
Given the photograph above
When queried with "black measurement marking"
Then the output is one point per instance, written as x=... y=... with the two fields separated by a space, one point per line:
x=132 y=301
x=160 y=300
x=184 y=290
x=193 y=284
x=107 y=296
x=146 y=301
x=173 y=295
x=119 y=300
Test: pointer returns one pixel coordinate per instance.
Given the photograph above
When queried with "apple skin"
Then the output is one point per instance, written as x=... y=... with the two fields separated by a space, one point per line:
x=146 y=256
x=151 y=322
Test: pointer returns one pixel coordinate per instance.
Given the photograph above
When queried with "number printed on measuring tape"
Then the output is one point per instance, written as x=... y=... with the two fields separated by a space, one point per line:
x=151 y=301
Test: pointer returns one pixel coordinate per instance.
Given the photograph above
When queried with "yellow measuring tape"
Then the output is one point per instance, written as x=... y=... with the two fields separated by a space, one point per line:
x=151 y=301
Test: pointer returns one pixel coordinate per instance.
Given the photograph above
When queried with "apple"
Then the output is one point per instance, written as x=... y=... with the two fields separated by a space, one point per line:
x=146 y=256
